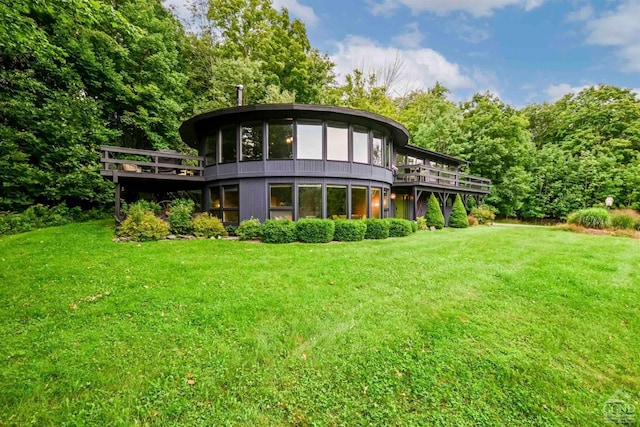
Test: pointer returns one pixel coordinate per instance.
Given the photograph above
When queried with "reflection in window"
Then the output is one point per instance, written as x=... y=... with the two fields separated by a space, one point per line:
x=336 y=202
x=385 y=203
x=229 y=144
x=360 y=145
x=215 y=203
x=230 y=204
x=309 y=201
x=252 y=138
x=375 y=202
x=309 y=141
x=337 y=142
x=358 y=202
x=281 y=201
x=387 y=153
x=377 y=149
x=211 y=145
x=401 y=159
x=281 y=139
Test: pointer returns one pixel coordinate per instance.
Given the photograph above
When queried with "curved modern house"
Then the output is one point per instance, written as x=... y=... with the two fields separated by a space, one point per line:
x=296 y=161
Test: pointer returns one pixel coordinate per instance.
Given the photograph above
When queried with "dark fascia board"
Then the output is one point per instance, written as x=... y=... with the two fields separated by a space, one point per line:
x=413 y=149
x=190 y=129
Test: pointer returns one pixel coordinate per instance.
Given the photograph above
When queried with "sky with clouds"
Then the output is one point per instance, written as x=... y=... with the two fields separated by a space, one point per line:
x=525 y=51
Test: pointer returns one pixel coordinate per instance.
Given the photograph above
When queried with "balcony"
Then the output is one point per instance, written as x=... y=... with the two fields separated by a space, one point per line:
x=429 y=176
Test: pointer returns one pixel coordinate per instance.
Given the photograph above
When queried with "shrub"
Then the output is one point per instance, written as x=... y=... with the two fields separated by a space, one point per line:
x=180 y=215
x=414 y=226
x=279 y=231
x=205 y=225
x=315 y=230
x=422 y=223
x=376 y=229
x=472 y=220
x=142 y=225
x=231 y=229
x=349 y=230
x=625 y=219
x=40 y=216
x=399 y=227
x=471 y=203
x=150 y=206
x=249 y=229
x=458 y=218
x=590 y=218
x=434 y=215
x=483 y=215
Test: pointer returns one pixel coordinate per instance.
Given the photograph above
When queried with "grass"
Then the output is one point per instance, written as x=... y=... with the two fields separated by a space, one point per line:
x=481 y=326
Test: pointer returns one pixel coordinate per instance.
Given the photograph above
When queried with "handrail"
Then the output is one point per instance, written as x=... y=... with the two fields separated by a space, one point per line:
x=155 y=162
x=438 y=176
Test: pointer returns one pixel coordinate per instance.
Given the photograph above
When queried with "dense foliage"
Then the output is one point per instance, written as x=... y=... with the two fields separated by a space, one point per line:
x=349 y=230
x=315 y=230
x=180 y=213
x=590 y=218
x=434 y=215
x=400 y=227
x=376 y=228
x=249 y=229
x=279 y=231
x=458 y=218
x=206 y=225
x=142 y=225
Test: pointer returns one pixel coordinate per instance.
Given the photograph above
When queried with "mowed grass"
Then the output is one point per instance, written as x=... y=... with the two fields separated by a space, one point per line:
x=484 y=326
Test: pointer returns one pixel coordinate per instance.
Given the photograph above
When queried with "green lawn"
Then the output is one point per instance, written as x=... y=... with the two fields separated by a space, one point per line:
x=484 y=326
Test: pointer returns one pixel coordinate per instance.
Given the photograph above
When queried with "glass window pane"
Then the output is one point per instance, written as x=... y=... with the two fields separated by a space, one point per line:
x=252 y=137
x=231 y=197
x=281 y=196
x=229 y=144
x=387 y=153
x=281 y=214
x=211 y=145
x=337 y=142
x=231 y=216
x=360 y=145
x=358 y=202
x=401 y=159
x=310 y=201
x=375 y=202
x=281 y=139
x=336 y=202
x=385 y=200
x=309 y=141
x=377 y=149
x=215 y=198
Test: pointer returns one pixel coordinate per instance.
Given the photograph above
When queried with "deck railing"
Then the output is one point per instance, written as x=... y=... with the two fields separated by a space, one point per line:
x=441 y=177
x=160 y=162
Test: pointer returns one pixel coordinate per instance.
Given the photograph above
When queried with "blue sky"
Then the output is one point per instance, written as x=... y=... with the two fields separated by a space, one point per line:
x=524 y=51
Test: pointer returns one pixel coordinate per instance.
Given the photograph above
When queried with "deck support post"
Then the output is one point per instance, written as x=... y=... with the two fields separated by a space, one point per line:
x=118 y=193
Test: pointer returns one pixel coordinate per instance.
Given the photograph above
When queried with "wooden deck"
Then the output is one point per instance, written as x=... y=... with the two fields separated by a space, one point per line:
x=430 y=177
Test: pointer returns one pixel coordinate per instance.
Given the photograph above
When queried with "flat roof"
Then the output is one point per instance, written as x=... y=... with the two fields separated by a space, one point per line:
x=433 y=154
x=191 y=128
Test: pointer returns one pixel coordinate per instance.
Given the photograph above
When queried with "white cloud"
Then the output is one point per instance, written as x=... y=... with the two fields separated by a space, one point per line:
x=411 y=38
x=555 y=92
x=303 y=12
x=419 y=67
x=474 y=7
x=583 y=14
x=619 y=28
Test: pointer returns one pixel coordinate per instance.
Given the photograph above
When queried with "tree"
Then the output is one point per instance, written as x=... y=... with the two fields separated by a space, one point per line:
x=458 y=218
x=434 y=215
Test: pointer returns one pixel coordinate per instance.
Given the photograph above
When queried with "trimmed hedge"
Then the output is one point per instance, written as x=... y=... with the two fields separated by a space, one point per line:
x=458 y=218
x=434 y=215
x=279 y=231
x=590 y=218
x=249 y=229
x=399 y=227
x=205 y=225
x=315 y=230
x=376 y=228
x=349 y=230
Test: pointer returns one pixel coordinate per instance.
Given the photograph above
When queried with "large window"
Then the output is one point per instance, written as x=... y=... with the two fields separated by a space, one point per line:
x=360 y=145
x=231 y=203
x=337 y=142
x=377 y=149
x=215 y=203
x=358 y=202
x=309 y=201
x=281 y=139
x=252 y=140
x=375 y=202
x=281 y=201
x=387 y=153
x=211 y=145
x=336 y=202
x=229 y=144
x=309 y=140
x=385 y=203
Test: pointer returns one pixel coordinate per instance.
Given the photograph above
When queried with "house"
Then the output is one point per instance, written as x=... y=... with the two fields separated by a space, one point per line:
x=296 y=161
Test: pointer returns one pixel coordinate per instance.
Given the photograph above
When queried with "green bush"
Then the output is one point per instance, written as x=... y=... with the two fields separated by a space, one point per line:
x=625 y=219
x=40 y=216
x=471 y=203
x=249 y=229
x=205 y=225
x=142 y=225
x=422 y=223
x=315 y=230
x=458 y=218
x=414 y=226
x=483 y=215
x=150 y=206
x=434 y=215
x=349 y=230
x=180 y=215
x=376 y=228
x=590 y=218
x=231 y=229
x=399 y=227
x=279 y=231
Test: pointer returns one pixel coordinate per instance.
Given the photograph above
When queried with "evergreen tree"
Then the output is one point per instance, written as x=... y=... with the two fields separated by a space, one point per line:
x=434 y=215
x=458 y=218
